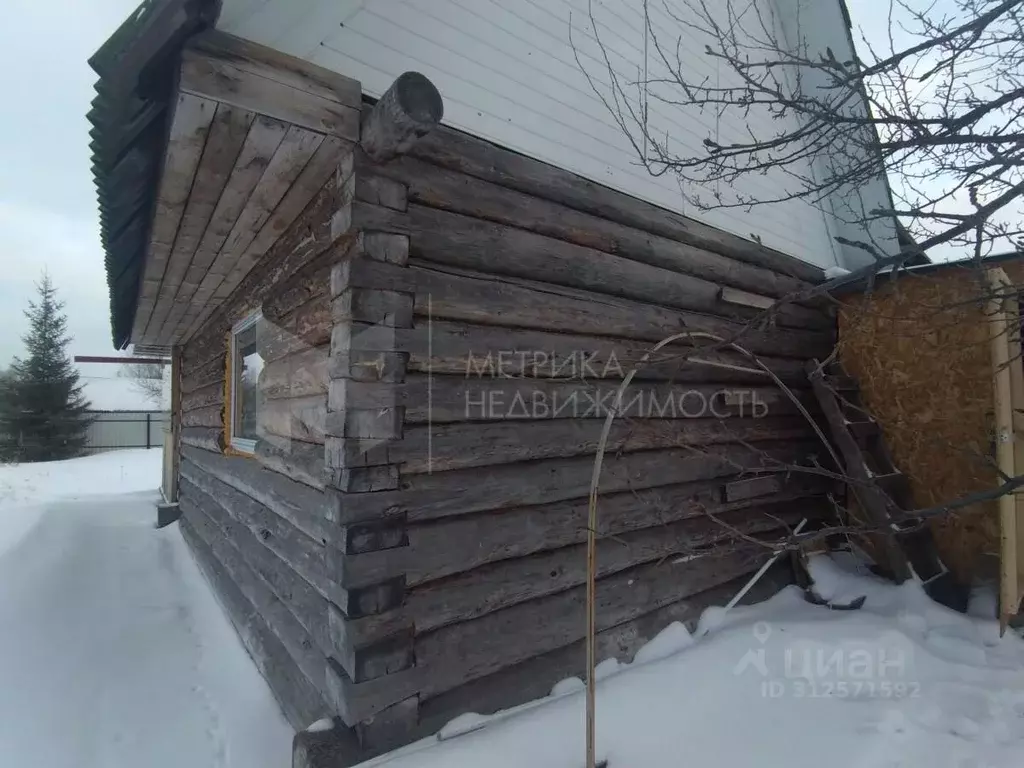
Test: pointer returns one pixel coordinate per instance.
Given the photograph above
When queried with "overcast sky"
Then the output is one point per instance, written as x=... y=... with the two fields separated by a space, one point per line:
x=47 y=201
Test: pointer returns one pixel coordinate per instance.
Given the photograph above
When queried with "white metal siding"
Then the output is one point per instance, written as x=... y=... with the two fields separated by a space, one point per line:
x=508 y=73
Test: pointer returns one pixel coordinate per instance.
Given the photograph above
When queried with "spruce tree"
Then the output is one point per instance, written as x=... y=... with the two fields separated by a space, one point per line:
x=42 y=409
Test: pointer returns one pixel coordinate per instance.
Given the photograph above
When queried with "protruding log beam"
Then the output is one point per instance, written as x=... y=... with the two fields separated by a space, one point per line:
x=407 y=111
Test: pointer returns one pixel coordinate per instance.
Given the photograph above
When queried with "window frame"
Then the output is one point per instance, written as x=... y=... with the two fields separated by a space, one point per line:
x=238 y=445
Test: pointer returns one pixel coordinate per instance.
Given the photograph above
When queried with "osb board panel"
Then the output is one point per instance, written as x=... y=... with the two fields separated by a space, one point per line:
x=919 y=349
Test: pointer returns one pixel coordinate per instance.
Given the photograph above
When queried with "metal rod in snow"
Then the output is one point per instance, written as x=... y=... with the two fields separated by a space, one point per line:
x=756 y=577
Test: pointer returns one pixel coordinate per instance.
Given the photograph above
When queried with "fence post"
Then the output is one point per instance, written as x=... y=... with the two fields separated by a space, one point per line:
x=148 y=440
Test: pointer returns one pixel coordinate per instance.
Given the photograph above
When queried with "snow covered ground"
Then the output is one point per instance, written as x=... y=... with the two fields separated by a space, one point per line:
x=113 y=652
x=903 y=682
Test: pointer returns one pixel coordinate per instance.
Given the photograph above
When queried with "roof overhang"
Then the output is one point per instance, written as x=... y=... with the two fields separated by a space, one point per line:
x=205 y=150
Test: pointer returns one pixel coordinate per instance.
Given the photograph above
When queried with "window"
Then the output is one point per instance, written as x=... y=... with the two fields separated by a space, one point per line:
x=244 y=367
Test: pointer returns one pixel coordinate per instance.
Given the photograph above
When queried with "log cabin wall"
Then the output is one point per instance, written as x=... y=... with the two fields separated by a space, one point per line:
x=262 y=527
x=478 y=286
x=407 y=543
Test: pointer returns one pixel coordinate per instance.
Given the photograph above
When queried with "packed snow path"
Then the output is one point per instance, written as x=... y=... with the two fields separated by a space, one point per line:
x=113 y=651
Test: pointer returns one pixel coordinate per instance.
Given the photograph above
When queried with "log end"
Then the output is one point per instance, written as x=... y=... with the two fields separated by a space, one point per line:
x=419 y=99
x=407 y=111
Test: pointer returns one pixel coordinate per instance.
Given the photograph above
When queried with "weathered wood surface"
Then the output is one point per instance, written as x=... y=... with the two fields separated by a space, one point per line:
x=486 y=352
x=502 y=584
x=317 y=172
x=519 y=570
x=311 y=511
x=211 y=416
x=298 y=460
x=282 y=170
x=430 y=496
x=303 y=374
x=458 y=294
x=453 y=655
x=264 y=138
x=461 y=652
x=441 y=447
x=234 y=80
x=306 y=239
x=310 y=282
x=310 y=660
x=274 y=65
x=438 y=187
x=199 y=374
x=224 y=141
x=407 y=111
x=534 y=677
x=466 y=154
x=205 y=438
x=300 y=418
x=307 y=605
x=185 y=142
x=299 y=700
x=752 y=487
x=206 y=396
x=438 y=399
x=488 y=537
x=298 y=551
x=463 y=241
x=744 y=298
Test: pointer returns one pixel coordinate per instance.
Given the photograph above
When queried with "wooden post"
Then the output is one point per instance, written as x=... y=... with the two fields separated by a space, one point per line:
x=1002 y=363
x=407 y=111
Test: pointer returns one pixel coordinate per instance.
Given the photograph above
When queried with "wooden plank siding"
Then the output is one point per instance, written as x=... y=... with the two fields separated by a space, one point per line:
x=408 y=533
x=254 y=136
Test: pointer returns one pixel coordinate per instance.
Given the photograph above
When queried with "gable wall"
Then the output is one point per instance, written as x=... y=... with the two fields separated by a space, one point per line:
x=509 y=74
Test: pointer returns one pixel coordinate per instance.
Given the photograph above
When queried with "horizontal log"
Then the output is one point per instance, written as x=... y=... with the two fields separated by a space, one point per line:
x=458 y=294
x=441 y=447
x=430 y=496
x=488 y=352
x=438 y=187
x=313 y=280
x=438 y=399
x=499 y=585
x=298 y=460
x=751 y=488
x=306 y=328
x=281 y=622
x=533 y=678
x=488 y=537
x=211 y=416
x=315 y=513
x=461 y=652
x=299 y=700
x=307 y=605
x=197 y=376
x=467 y=154
x=299 y=375
x=204 y=397
x=203 y=437
x=300 y=418
x=463 y=241
x=299 y=552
